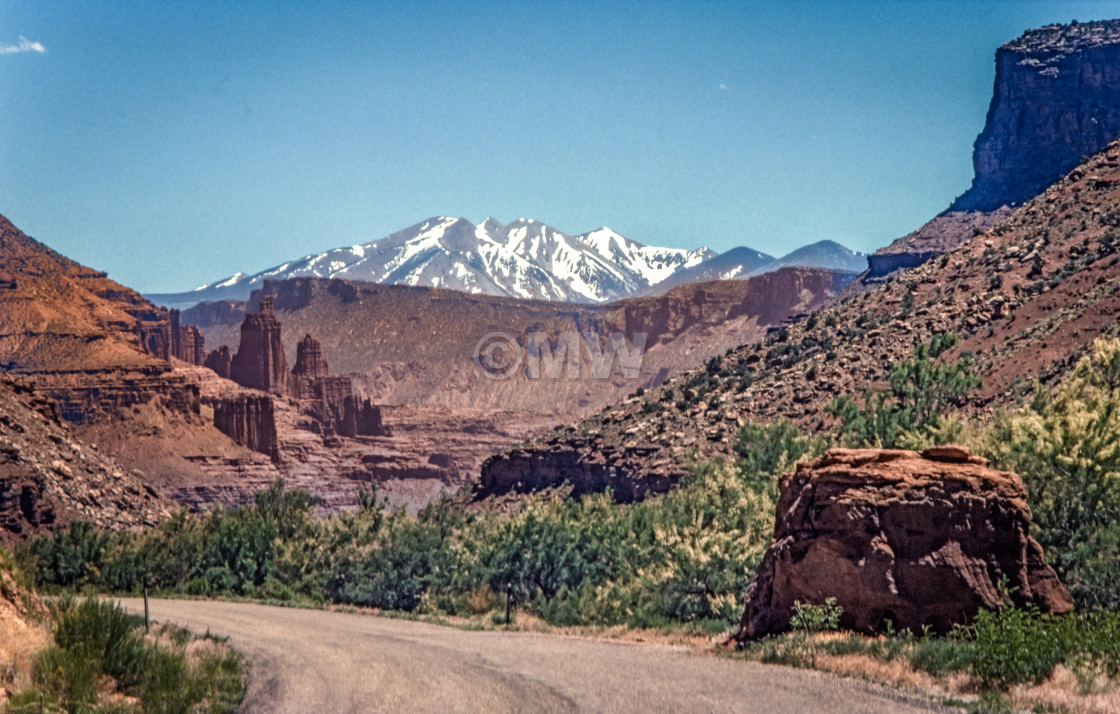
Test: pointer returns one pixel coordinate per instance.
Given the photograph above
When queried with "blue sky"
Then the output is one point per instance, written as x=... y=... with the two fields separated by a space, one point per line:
x=176 y=143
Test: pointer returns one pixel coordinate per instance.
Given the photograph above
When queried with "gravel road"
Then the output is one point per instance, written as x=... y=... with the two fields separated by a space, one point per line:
x=315 y=661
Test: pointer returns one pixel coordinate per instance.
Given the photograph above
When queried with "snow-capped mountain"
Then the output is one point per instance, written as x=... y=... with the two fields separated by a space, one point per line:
x=524 y=259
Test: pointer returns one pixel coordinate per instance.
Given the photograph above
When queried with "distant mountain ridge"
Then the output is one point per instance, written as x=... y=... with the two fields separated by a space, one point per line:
x=524 y=259
x=740 y=263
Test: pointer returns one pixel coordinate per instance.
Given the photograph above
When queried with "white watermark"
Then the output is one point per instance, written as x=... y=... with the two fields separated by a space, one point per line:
x=500 y=355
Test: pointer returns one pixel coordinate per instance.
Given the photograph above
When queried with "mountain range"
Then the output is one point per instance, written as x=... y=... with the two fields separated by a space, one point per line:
x=523 y=259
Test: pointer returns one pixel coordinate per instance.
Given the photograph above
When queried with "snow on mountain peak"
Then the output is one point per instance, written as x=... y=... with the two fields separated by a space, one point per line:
x=525 y=259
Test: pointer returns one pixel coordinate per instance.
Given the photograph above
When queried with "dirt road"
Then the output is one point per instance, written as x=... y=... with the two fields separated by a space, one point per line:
x=306 y=661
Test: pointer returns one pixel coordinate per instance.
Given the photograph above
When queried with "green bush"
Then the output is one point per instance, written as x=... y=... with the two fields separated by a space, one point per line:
x=921 y=391
x=943 y=655
x=809 y=618
x=1015 y=645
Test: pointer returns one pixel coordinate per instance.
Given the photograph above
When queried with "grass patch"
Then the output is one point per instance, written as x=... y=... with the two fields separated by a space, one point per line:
x=102 y=661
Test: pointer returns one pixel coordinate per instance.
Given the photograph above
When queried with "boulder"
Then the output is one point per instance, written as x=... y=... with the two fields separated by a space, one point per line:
x=899 y=537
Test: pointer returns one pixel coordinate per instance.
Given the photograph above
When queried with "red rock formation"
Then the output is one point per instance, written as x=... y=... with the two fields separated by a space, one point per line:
x=87 y=396
x=192 y=345
x=328 y=400
x=309 y=360
x=900 y=537
x=526 y=470
x=176 y=334
x=219 y=361
x=250 y=420
x=259 y=362
x=324 y=400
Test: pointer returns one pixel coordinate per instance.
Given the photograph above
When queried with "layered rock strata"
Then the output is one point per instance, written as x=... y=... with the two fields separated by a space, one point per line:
x=250 y=420
x=902 y=540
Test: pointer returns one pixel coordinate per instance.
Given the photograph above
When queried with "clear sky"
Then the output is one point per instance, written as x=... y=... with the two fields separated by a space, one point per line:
x=177 y=143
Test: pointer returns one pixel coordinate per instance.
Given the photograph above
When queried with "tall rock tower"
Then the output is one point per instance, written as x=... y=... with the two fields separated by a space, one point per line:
x=259 y=362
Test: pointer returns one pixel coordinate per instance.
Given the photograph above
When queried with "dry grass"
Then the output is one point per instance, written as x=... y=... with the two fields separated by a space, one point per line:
x=1066 y=691
x=19 y=642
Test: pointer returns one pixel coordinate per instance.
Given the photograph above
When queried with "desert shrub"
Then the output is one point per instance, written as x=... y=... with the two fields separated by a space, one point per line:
x=943 y=655
x=1015 y=645
x=98 y=647
x=711 y=535
x=70 y=556
x=810 y=618
x=921 y=391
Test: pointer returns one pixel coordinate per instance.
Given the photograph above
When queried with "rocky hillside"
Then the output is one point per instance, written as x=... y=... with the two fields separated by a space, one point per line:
x=1026 y=298
x=417 y=346
x=97 y=347
x=1056 y=100
x=48 y=477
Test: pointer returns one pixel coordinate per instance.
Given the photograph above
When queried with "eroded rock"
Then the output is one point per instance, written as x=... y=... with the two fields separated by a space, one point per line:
x=896 y=536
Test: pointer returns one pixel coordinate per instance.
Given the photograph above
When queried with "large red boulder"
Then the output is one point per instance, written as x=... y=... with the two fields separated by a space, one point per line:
x=896 y=536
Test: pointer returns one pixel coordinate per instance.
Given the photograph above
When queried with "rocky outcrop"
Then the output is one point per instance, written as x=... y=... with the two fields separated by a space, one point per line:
x=259 y=362
x=219 y=360
x=898 y=537
x=250 y=420
x=525 y=471
x=187 y=342
x=324 y=400
x=361 y=417
x=327 y=400
x=1056 y=101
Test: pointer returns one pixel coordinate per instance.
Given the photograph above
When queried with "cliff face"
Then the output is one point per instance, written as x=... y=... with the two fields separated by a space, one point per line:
x=250 y=420
x=1056 y=100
